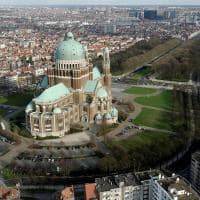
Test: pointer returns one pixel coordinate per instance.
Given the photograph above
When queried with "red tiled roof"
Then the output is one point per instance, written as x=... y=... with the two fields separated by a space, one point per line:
x=90 y=191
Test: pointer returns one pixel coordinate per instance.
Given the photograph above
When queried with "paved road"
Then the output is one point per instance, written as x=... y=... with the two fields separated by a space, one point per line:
x=15 y=150
x=9 y=106
x=16 y=109
x=10 y=115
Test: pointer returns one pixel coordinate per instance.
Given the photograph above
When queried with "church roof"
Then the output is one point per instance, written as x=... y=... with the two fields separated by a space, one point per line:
x=45 y=82
x=98 y=117
x=52 y=94
x=90 y=86
x=70 y=49
x=107 y=116
x=102 y=93
x=96 y=73
x=57 y=110
x=114 y=112
x=29 y=107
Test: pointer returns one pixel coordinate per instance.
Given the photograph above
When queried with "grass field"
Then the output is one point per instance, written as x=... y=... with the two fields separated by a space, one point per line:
x=160 y=143
x=8 y=174
x=154 y=118
x=144 y=138
x=164 y=100
x=140 y=90
x=17 y=99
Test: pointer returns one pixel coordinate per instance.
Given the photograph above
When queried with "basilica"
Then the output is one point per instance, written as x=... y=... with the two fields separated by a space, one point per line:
x=76 y=92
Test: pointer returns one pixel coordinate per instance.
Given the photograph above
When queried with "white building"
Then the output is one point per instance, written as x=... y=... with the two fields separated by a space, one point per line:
x=118 y=187
x=148 y=185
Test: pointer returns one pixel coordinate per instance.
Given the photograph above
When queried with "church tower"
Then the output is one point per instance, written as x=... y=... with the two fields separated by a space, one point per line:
x=106 y=69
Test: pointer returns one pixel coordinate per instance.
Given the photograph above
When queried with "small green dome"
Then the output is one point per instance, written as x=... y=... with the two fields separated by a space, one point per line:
x=114 y=112
x=102 y=93
x=57 y=110
x=98 y=116
x=107 y=116
x=96 y=73
x=70 y=49
x=69 y=35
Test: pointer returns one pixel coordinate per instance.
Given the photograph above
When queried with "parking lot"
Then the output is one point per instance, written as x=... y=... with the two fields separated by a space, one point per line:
x=56 y=160
x=130 y=130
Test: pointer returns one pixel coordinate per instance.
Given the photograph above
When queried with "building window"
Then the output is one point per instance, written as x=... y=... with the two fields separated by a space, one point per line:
x=36 y=121
x=48 y=121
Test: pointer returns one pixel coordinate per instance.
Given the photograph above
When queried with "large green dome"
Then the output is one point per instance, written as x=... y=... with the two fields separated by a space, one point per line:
x=69 y=49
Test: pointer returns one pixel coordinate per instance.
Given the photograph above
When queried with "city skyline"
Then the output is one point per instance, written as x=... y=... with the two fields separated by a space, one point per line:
x=103 y=2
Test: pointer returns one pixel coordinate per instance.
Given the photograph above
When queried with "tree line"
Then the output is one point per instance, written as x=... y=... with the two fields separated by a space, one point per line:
x=119 y=60
x=182 y=65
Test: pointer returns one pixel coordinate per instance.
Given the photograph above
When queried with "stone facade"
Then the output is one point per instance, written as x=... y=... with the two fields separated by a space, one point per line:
x=77 y=92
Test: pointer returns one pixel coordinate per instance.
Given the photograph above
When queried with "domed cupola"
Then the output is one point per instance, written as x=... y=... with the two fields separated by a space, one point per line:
x=70 y=49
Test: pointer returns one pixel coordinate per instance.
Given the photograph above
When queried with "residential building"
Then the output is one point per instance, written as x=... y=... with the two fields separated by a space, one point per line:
x=67 y=194
x=7 y=193
x=123 y=186
x=147 y=185
x=90 y=191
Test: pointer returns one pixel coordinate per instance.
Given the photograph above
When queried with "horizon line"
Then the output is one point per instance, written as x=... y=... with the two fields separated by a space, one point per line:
x=68 y=4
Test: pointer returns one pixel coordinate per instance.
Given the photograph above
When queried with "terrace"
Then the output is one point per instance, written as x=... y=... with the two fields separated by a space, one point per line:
x=177 y=188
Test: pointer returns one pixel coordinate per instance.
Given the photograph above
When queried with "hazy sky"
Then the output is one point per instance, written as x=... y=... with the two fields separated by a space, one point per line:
x=115 y=2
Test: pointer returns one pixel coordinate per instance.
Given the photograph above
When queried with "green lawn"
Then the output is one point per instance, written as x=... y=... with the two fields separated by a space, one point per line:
x=154 y=118
x=7 y=173
x=20 y=130
x=2 y=112
x=140 y=90
x=17 y=99
x=159 y=143
x=164 y=100
x=144 y=138
x=138 y=75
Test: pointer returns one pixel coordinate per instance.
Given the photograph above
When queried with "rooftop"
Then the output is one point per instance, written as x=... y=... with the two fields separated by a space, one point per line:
x=177 y=187
x=90 y=86
x=111 y=182
x=52 y=94
x=67 y=193
x=70 y=49
x=102 y=93
x=90 y=191
x=45 y=82
x=96 y=73
x=146 y=175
